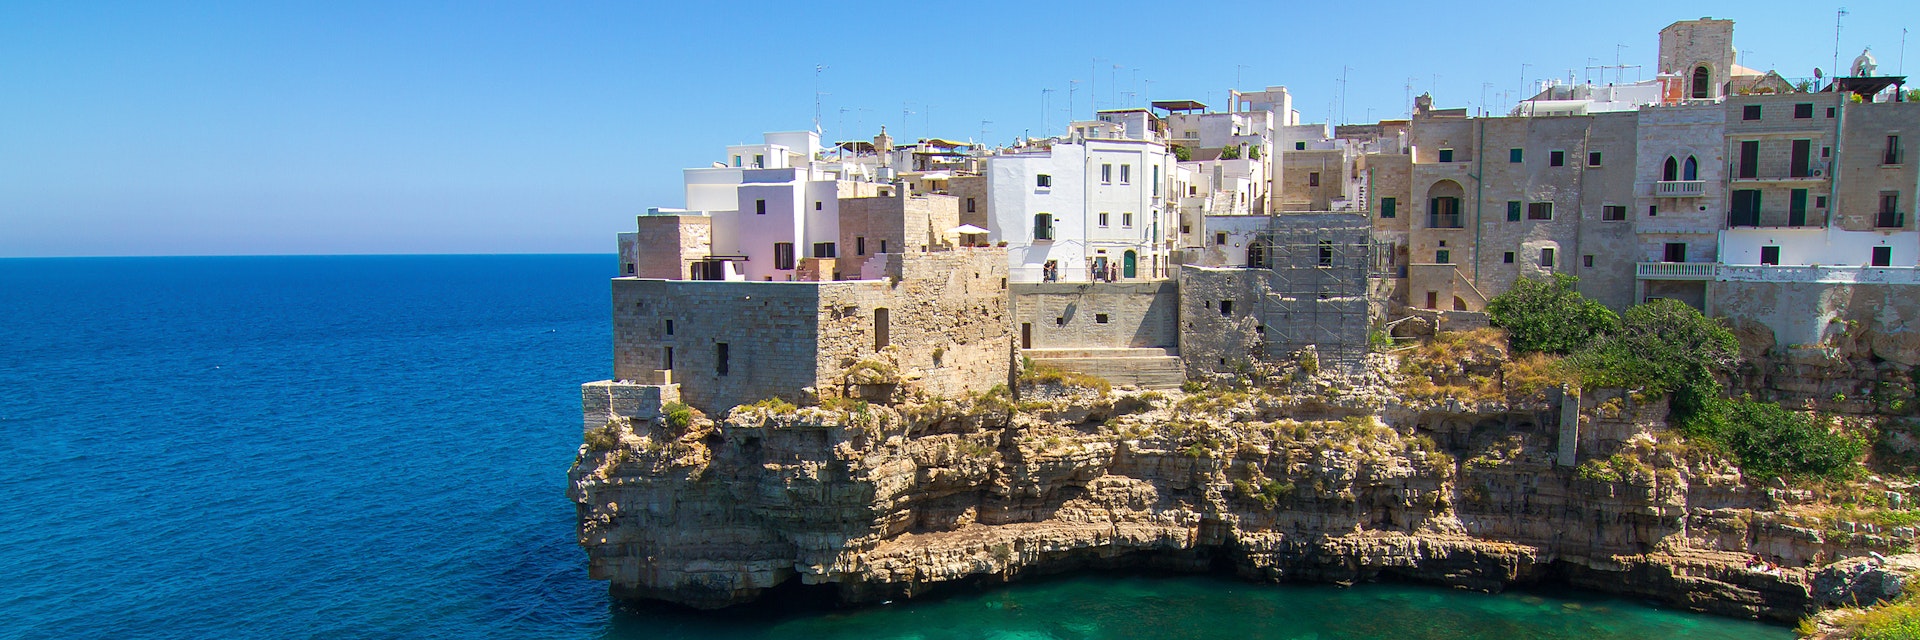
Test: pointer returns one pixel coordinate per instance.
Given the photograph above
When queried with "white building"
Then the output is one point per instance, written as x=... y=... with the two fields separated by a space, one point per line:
x=1083 y=209
x=773 y=204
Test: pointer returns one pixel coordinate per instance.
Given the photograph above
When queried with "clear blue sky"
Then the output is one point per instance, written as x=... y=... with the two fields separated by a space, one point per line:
x=457 y=127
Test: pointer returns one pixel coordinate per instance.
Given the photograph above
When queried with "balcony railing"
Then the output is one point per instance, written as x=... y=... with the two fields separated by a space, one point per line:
x=1776 y=219
x=1674 y=271
x=1444 y=221
x=1893 y=156
x=1890 y=219
x=1680 y=188
x=1823 y=274
x=1740 y=173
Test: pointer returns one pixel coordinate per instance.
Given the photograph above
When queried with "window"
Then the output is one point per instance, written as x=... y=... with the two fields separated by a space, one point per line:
x=1103 y=219
x=859 y=245
x=1156 y=181
x=1798 y=161
x=1516 y=155
x=1546 y=258
x=1444 y=213
x=1702 y=83
x=1593 y=158
x=1587 y=261
x=1829 y=112
x=1433 y=299
x=1750 y=112
x=669 y=326
x=1671 y=170
x=1539 y=211
x=1220 y=238
x=1819 y=202
x=1892 y=156
x=825 y=250
x=1106 y=174
x=1446 y=155
x=1556 y=158
x=783 y=255
x=760 y=207
x=1226 y=307
x=1387 y=207
x=736 y=161
x=1513 y=211
x=1692 y=171
x=630 y=268
x=1060 y=321
x=1099 y=318
x=759 y=161
x=1443 y=256
x=1126 y=220
x=667 y=359
x=883 y=245
x=1749 y=159
x=1313 y=179
x=1803 y=111
x=1676 y=252
x=1883 y=256
x=1326 y=253
x=1889 y=211
x=1653 y=210
x=1770 y=255
x=1126 y=174
x=1613 y=213
x=1043 y=180
x=969 y=205
x=882 y=329
x=720 y=358
x=1302 y=146
x=1746 y=208
x=1043 y=226
x=1507 y=257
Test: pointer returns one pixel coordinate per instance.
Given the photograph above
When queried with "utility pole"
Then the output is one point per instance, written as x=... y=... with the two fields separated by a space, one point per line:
x=1842 y=13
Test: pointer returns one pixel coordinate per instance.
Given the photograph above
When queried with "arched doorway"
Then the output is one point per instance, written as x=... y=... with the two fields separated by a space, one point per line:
x=1129 y=264
x=1702 y=82
x=1443 y=205
x=1257 y=255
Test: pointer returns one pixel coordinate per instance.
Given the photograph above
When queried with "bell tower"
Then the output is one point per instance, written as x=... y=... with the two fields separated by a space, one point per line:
x=1700 y=52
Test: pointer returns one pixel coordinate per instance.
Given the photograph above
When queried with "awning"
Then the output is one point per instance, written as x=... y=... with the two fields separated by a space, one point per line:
x=966 y=228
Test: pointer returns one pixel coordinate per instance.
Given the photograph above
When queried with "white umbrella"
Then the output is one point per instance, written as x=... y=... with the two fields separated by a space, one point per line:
x=966 y=228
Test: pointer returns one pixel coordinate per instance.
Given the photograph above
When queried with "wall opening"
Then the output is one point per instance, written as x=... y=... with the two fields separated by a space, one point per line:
x=881 y=332
x=720 y=364
x=1026 y=335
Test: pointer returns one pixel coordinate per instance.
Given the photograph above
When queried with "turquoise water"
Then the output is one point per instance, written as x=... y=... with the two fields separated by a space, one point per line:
x=377 y=447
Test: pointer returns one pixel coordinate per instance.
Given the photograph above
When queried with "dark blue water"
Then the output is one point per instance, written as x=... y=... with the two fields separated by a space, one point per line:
x=377 y=447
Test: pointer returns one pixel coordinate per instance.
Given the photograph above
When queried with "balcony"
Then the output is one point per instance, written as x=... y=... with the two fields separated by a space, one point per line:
x=1680 y=188
x=1894 y=156
x=1822 y=274
x=1890 y=220
x=1811 y=173
x=1674 y=271
x=1777 y=219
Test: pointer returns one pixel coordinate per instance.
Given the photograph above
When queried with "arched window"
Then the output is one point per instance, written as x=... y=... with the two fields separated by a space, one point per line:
x=1257 y=255
x=1672 y=170
x=1702 y=82
x=1443 y=205
x=1693 y=169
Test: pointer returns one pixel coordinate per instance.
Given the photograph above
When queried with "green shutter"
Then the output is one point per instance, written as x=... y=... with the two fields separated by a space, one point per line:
x=1513 y=211
x=1514 y=155
x=1387 y=207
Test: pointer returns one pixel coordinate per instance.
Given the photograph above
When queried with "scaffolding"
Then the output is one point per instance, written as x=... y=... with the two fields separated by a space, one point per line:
x=1317 y=267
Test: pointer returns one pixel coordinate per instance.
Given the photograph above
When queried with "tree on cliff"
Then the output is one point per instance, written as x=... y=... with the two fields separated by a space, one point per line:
x=1550 y=316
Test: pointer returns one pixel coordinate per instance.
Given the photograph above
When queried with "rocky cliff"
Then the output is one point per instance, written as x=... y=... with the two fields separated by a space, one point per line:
x=1296 y=477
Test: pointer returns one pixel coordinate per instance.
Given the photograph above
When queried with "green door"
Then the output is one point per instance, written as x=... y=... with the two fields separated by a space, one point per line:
x=1797 y=208
x=1128 y=263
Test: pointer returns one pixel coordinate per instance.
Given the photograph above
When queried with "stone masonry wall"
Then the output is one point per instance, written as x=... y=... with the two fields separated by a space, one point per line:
x=950 y=302
x=770 y=329
x=1068 y=315
x=668 y=245
x=1212 y=341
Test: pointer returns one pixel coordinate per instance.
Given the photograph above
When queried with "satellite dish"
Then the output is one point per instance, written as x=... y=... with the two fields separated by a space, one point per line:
x=1816 y=73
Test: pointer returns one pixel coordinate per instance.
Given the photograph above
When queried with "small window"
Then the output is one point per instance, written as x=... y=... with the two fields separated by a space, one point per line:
x=1106 y=174
x=1803 y=111
x=859 y=245
x=720 y=358
x=1539 y=211
x=1770 y=255
x=1829 y=113
x=1613 y=213
x=1099 y=318
x=1516 y=155
x=1750 y=112
x=630 y=268
x=1313 y=179
x=1302 y=146
x=1653 y=210
x=1593 y=158
x=883 y=245
x=783 y=255
x=760 y=207
x=667 y=359
x=969 y=205
x=1226 y=307
x=1060 y=321
x=1587 y=261
x=1220 y=238
x=1507 y=257
x=1513 y=210
x=1387 y=206
x=1446 y=155
x=1819 y=202
x=1443 y=256
x=1675 y=252
x=816 y=205
x=669 y=326
x=1043 y=180
x=1126 y=220
x=1883 y=256
x=1556 y=158
x=825 y=250
x=1892 y=153
x=1546 y=258
x=1042 y=227
x=1126 y=174
x=1326 y=253
x=736 y=161
x=1103 y=219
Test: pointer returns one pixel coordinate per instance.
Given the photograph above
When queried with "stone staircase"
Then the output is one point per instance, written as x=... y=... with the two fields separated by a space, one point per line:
x=1146 y=368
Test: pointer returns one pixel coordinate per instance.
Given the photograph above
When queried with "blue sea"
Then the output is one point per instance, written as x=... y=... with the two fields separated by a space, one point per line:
x=377 y=446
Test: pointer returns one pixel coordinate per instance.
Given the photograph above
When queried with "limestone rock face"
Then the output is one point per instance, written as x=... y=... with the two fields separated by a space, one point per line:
x=878 y=502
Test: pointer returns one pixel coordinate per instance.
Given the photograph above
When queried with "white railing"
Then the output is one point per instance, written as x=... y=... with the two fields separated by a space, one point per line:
x=1680 y=188
x=1825 y=274
x=1675 y=271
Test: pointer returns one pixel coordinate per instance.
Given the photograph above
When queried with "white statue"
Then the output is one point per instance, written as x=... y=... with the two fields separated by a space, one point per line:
x=1865 y=65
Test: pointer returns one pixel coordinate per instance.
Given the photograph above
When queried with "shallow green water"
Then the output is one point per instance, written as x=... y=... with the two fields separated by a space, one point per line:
x=1207 y=607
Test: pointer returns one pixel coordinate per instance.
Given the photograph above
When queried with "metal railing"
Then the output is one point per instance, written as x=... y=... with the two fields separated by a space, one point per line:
x=1825 y=274
x=1674 y=270
x=1680 y=188
x=1890 y=219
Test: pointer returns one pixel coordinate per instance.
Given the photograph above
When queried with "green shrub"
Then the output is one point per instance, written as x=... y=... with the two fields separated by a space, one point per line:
x=604 y=438
x=873 y=371
x=1771 y=441
x=775 y=406
x=678 y=415
x=1549 y=315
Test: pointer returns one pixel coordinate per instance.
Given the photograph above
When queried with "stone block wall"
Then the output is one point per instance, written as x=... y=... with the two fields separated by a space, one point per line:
x=1060 y=315
x=1864 y=176
x=607 y=399
x=1213 y=341
x=971 y=189
x=947 y=303
x=770 y=330
x=666 y=246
